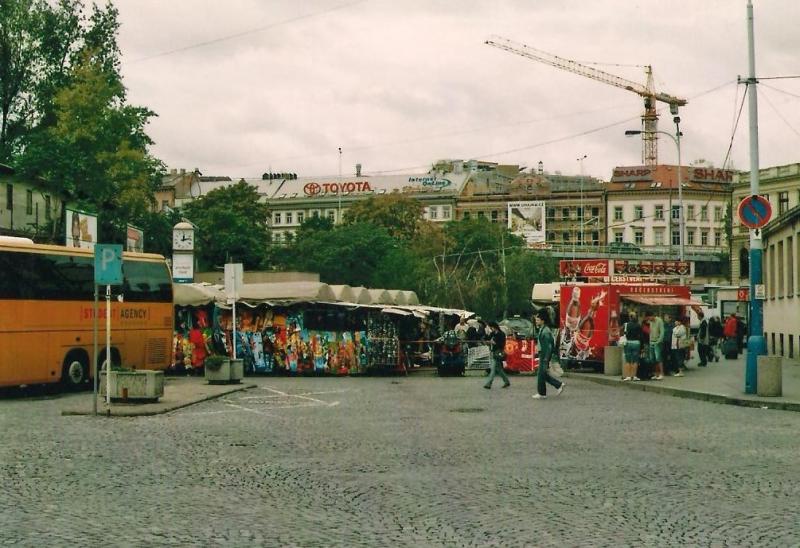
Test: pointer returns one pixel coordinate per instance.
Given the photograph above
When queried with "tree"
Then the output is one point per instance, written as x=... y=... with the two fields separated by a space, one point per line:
x=231 y=227
x=399 y=214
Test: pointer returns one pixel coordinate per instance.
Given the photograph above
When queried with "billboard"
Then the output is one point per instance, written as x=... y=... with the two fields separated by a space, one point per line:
x=80 y=229
x=135 y=239
x=527 y=219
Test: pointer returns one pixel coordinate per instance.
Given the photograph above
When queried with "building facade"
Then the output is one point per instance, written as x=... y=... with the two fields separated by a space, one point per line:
x=781 y=186
x=27 y=208
x=644 y=207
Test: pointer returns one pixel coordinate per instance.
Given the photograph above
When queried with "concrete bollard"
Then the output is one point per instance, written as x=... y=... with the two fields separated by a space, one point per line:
x=612 y=361
x=769 y=377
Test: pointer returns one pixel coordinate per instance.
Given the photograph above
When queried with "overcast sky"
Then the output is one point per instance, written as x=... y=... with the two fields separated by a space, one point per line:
x=244 y=86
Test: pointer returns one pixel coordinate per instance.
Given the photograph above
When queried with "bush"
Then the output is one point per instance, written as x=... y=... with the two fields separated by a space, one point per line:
x=213 y=363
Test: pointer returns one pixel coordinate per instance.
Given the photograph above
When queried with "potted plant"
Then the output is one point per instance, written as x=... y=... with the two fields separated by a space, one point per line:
x=237 y=370
x=217 y=369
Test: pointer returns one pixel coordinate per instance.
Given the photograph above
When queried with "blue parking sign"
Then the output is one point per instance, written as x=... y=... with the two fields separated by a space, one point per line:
x=108 y=264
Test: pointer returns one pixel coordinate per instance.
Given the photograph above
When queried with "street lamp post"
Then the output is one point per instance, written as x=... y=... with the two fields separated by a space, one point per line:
x=583 y=212
x=677 y=140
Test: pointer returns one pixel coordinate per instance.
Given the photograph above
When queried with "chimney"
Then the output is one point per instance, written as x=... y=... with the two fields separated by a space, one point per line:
x=358 y=170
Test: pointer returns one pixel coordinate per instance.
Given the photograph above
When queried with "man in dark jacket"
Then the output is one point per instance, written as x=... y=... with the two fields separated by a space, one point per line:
x=498 y=339
x=544 y=344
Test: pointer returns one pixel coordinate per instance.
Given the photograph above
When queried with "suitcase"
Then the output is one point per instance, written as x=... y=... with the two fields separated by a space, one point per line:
x=729 y=349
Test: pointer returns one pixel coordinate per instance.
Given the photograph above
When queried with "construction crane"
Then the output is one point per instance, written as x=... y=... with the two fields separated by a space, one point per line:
x=650 y=116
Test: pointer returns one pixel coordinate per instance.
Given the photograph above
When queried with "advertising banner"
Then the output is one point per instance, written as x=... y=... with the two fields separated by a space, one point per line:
x=135 y=239
x=654 y=269
x=584 y=268
x=527 y=219
x=182 y=267
x=80 y=229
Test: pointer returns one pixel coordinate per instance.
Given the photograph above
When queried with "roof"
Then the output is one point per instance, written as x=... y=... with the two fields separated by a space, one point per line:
x=344 y=293
x=275 y=293
x=196 y=294
x=664 y=177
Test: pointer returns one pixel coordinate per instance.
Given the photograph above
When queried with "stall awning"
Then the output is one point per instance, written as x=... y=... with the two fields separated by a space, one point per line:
x=661 y=300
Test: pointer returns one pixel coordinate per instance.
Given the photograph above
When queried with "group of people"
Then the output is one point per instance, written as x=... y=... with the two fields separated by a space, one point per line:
x=666 y=343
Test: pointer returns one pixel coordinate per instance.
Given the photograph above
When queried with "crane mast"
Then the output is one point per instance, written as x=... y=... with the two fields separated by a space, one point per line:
x=647 y=91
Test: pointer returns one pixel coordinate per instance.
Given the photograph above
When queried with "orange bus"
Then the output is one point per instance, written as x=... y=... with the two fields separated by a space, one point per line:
x=47 y=309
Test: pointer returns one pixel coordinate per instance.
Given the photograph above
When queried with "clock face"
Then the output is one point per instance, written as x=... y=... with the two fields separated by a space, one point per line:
x=183 y=240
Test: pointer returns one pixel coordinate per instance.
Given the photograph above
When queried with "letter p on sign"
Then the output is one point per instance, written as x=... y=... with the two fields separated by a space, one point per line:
x=108 y=264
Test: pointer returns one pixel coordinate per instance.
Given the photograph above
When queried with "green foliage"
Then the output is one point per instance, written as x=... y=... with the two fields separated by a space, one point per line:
x=232 y=227
x=399 y=214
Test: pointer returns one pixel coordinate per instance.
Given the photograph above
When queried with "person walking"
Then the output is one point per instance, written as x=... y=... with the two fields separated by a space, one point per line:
x=678 y=346
x=544 y=345
x=633 y=348
x=730 y=331
x=498 y=340
x=656 y=346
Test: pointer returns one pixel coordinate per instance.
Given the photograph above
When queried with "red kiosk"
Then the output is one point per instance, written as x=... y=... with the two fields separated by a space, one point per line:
x=590 y=311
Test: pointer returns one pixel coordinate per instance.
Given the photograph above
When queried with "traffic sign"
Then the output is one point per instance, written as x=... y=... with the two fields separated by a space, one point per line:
x=743 y=294
x=108 y=264
x=754 y=211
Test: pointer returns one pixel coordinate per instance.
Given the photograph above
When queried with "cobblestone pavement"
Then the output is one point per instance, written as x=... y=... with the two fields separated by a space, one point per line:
x=403 y=462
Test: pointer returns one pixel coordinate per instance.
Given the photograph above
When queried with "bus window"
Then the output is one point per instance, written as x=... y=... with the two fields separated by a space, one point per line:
x=146 y=281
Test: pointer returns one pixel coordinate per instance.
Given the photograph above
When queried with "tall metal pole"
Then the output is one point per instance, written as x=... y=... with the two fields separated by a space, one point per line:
x=682 y=219
x=96 y=370
x=339 y=189
x=583 y=212
x=756 y=344
x=108 y=345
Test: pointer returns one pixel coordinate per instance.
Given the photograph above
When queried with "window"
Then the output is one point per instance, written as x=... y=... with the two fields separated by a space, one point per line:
x=783 y=202
x=551 y=213
x=676 y=212
x=717 y=213
x=565 y=213
x=595 y=212
x=689 y=237
x=446 y=212
x=676 y=237
x=618 y=236
x=595 y=237
x=579 y=213
x=659 y=213
x=565 y=236
x=466 y=214
x=289 y=217
x=164 y=205
x=494 y=216
x=433 y=212
x=47 y=208
x=638 y=237
x=638 y=212
x=551 y=236
x=332 y=215
x=690 y=212
x=301 y=216
x=29 y=202
x=617 y=213
x=717 y=238
x=9 y=196
x=704 y=237
x=658 y=237
x=744 y=263
x=315 y=213
x=276 y=218
x=789 y=267
x=481 y=215
x=704 y=213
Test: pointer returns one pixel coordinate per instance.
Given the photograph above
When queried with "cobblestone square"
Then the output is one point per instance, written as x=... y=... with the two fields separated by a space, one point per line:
x=417 y=461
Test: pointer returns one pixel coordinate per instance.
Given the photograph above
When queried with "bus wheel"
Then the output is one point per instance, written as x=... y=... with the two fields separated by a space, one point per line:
x=75 y=371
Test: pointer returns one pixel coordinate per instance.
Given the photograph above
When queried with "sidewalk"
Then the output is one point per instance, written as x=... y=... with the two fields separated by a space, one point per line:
x=178 y=392
x=718 y=382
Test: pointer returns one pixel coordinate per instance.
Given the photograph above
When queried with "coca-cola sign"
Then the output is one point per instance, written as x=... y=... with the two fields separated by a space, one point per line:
x=584 y=268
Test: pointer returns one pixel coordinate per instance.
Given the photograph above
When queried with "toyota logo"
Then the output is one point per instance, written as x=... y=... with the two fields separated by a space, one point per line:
x=312 y=189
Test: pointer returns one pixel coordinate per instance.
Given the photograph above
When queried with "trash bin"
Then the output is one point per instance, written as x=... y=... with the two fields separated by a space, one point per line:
x=769 y=377
x=612 y=361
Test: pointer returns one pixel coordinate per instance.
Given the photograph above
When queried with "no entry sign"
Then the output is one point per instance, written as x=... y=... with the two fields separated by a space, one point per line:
x=754 y=211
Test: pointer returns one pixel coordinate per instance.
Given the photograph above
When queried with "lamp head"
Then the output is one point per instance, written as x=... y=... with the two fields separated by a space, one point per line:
x=629 y=132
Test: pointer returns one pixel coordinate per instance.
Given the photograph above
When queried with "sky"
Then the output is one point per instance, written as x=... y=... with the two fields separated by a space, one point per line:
x=244 y=87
